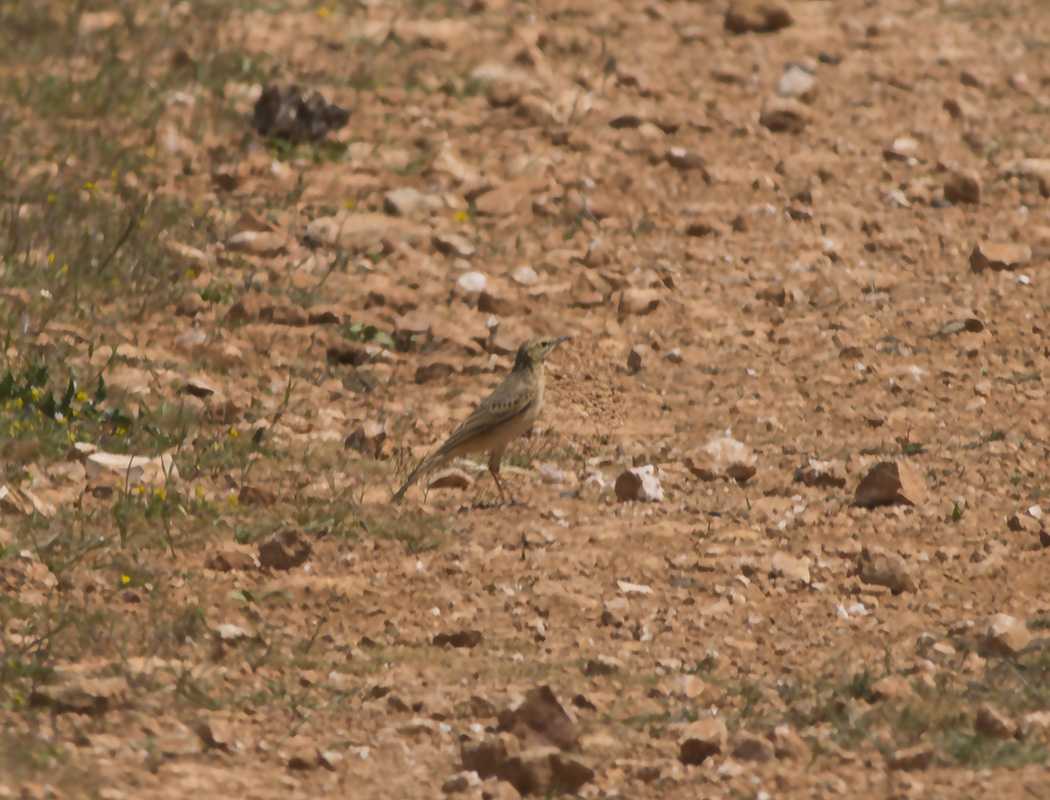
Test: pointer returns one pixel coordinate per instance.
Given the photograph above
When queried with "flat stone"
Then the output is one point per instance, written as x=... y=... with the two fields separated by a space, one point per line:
x=999 y=256
x=701 y=740
x=758 y=16
x=879 y=567
x=890 y=483
x=1004 y=635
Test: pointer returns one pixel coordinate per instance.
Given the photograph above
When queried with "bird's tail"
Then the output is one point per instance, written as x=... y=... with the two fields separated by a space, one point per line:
x=427 y=464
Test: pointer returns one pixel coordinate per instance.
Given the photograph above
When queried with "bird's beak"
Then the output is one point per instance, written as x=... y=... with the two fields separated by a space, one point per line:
x=563 y=339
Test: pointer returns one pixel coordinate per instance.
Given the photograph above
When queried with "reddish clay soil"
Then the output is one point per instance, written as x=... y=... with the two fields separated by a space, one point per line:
x=784 y=256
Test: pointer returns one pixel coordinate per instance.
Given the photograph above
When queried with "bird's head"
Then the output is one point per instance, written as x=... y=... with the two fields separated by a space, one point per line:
x=535 y=351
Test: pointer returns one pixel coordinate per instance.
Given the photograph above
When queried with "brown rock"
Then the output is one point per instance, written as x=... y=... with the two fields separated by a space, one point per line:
x=229 y=560
x=300 y=753
x=366 y=232
x=602 y=665
x=882 y=568
x=994 y=723
x=252 y=495
x=451 y=478
x=287 y=313
x=367 y=438
x=788 y=745
x=190 y=305
x=544 y=771
x=636 y=358
x=699 y=228
x=1034 y=725
x=774 y=294
x=503 y=200
x=344 y=351
x=639 y=483
x=489 y=303
x=285 y=549
x=458 y=639
x=684 y=160
x=793 y=570
x=1023 y=523
x=459 y=782
x=638 y=302
x=250 y=307
x=701 y=739
x=999 y=256
x=963 y=187
x=890 y=483
x=433 y=371
x=1037 y=169
x=1004 y=635
x=91 y=696
x=216 y=733
x=912 y=759
x=758 y=16
x=723 y=458
x=784 y=115
x=540 y=719
x=265 y=244
x=414 y=323
x=891 y=687
x=408 y=201
x=454 y=245
x=754 y=748
x=824 y=474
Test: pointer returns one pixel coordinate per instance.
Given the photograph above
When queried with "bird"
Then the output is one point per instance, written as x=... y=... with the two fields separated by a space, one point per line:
x=503 y=416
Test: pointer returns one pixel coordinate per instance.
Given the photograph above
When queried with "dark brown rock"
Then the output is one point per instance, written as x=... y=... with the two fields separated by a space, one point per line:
x=285 y=549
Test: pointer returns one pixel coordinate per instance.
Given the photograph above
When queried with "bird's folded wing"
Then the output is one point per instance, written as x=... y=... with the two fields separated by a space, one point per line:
x=496 y=410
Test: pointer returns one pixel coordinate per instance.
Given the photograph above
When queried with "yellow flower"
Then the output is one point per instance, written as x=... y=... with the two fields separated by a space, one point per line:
x=141 y=489
x=36 y=394
x=51 y=259
x=159 y=493
x=89 y=186
x=81 y=397
x=323 y=11
x=462 y=216
x=191 y=273
x=51 y=198
x=234 y=433
x=125 y=579
x=349 y=203
x=63 y=269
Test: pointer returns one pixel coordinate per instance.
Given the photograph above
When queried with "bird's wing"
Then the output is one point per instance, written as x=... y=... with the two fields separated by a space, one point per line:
x=511 y=399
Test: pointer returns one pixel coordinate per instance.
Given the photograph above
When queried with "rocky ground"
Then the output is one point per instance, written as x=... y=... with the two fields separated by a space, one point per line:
x=782 y=526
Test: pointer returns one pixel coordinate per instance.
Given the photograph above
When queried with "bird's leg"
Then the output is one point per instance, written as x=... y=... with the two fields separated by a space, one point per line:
x=495 y=460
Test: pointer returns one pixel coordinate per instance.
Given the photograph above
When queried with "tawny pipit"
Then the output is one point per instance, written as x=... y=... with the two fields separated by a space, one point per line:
x=500 y=418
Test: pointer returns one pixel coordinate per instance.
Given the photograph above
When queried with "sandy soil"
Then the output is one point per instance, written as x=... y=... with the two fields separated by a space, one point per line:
x=785 y=256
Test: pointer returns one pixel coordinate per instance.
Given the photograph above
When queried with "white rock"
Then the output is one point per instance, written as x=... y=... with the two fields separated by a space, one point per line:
x=525 y=276
x=472 y=282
